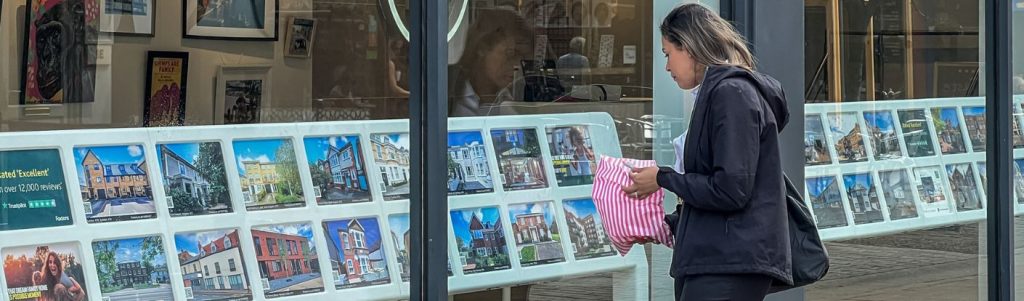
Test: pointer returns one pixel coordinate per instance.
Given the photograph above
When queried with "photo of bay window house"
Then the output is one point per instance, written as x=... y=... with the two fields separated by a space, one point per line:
x=181 y=175
x=357 y=258
x=468 y=171
x=337 y=169
x=391 y=152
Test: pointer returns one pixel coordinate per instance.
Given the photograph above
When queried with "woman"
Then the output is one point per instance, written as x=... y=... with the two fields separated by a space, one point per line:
x=582 y=155
x=730 y=227
x=496 y=43
x=59 y=286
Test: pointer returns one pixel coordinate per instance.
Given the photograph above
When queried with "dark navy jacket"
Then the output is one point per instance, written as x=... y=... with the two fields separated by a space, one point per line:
x=734 y=218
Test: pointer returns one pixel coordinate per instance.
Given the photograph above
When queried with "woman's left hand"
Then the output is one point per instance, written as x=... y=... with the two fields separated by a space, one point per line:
x=645 y=182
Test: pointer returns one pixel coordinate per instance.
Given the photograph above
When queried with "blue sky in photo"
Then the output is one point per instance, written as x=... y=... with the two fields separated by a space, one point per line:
x=370 y=226
x=854 y=179
x=974 y=111
x=949 y=115
x=399 y=225
x=541 y=207
x=464 y=138
x=499 y=136
x=964 y=167
x=187 y=151
x=400 y=140
x=304 y=230
x=130 y=250
x=462 y=217
x=815 y=186
x=121 y=154
x=316 y=147
x=882 y=119
x=189 y=242
x=256 y=150
x=1020 y=164
x=841 y=124
x=582 y=208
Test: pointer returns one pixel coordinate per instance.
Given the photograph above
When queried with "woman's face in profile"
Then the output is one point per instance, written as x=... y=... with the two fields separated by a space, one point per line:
x=680 y=66
x=500 y=62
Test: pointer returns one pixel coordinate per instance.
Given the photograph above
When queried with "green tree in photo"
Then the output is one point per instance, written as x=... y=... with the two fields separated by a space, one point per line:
x=210 y=164
x=320 y=177
x=184 y=202
x=150 y=249
x=528 y=253
x=106 y=264
x=288 y=169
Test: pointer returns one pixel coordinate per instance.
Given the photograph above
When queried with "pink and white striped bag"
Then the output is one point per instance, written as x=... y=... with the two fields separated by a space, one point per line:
x=628 y=221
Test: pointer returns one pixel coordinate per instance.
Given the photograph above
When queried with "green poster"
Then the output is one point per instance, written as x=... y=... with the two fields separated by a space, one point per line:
x=33 y=193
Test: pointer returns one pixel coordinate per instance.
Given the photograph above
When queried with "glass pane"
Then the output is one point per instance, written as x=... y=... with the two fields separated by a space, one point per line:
x=557 y=81
x=895 y=147
x=204 y=149
x=1017 y=22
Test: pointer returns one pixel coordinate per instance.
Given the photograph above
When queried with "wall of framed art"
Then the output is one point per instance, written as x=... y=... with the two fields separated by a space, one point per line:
x=123 y=76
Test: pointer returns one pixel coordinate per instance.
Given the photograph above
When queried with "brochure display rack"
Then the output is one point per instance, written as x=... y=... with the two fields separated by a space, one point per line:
x=313 y=211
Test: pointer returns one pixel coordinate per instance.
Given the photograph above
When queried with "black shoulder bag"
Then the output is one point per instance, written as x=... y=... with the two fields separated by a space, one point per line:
x=808 y=254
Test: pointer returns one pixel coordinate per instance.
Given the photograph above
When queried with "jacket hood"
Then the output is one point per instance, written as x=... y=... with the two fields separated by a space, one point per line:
x=770 y=89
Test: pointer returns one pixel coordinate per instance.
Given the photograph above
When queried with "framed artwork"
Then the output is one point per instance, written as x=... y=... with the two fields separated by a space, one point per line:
x=59 y=52
x=242 y=93
x=128 y=17
x=166 y=80
x=254 y=20
x=300 y=35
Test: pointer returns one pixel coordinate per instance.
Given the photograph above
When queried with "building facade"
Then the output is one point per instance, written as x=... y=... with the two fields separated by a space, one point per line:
x=259 y=177
x=470 y=163
x=355 y=254
x=531 y=228
x=131 y=273
x=113 y=181
x=393 y=161
x=488 y=238
x=218 y=266
x=181 y=175
x=345 y=167
x=282 y=255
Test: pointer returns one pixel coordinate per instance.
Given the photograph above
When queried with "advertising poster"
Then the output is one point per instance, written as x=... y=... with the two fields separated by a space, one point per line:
x=269 y=174
x=586 y=230
x=356 y=253
x=536 y=233
x=519 y=159
x=948 y=130
x=338 y=169
x=195 y=179
x=114 y=183
x=931 y=187
x=60 y=51
x=848 y=136
x=826 y=202
x=45 y=273
x=899 y=197
x=863 y=198
x=468 y=169
x=964 y=187
x=391 y=152
x=974 y=119
x=133 y=269
x=882 y=131
x=287 y=259
x=815 y=146
x=572 y=155
x=480 y=238
x=33 y=193
x=165 y=88
x=212 y=266
x=916 y=133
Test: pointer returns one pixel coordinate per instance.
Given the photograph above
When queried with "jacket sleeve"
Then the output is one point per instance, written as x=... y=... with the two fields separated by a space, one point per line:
x=734 y=123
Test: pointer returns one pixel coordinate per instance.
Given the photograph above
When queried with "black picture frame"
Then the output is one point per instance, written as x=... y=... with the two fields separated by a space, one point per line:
x=87 y=64
x=151 y=57
x=185 y=26
x=152 y=20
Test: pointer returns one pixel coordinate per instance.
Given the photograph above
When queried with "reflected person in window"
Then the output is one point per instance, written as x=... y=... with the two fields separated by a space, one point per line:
x=731 y=230
x=496 y=43
x=573 y=65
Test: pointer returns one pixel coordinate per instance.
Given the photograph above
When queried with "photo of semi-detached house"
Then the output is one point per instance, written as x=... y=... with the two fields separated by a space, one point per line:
x=338 y=170
x=480 y=237
x=357 y=253
x=195 y=181
x=391 y=152
x=212 y=266
x=287 y=260
x=114 y=183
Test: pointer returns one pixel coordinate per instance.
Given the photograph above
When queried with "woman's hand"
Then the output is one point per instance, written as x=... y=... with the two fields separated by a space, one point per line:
x=645 y=182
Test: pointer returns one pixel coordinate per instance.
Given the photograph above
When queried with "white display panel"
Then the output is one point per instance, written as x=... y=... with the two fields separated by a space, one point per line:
x=631 y=271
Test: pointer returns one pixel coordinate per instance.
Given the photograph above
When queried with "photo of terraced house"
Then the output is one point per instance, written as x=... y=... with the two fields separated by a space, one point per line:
x=338 y=170
x=114 y=183
x=287 y=260
x=269 y=174
x=401 y=237
x=357 y=253
x=536 y=234
x=195 y=180
x=391 y=153
x=212 y=266
x=468 y=169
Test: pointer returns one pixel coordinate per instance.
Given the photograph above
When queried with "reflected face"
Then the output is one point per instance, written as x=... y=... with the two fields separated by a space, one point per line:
x=499 y=63
x=681 y=66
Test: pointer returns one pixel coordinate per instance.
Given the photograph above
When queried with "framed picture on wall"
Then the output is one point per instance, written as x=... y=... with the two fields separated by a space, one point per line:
x=242 y=94
x=166 y=80
x=128 y=17
x=300 y=34
x=59 y=53
x=230 y=19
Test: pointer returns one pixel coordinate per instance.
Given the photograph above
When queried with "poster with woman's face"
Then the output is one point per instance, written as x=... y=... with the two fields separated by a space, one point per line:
x=572 y=155
x=60 y=52
x=45 y=272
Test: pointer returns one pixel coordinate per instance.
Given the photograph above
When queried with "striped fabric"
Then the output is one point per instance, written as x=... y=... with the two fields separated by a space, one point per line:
x=627 y=220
